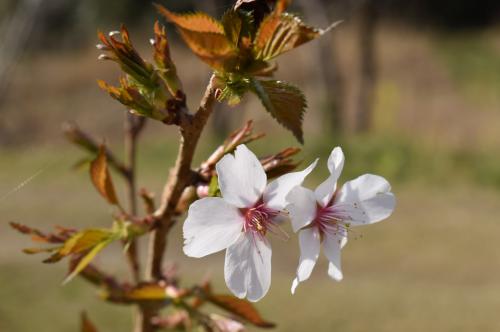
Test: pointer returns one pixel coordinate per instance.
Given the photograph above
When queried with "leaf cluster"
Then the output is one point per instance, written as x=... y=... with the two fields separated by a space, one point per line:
x=150 y=90
x=240 y=49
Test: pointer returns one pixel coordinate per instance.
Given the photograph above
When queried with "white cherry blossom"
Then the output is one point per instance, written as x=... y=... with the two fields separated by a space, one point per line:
x=240 y=220
x=324 y=216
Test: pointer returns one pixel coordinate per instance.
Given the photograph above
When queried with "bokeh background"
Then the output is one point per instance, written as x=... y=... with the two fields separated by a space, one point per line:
x=410 y=90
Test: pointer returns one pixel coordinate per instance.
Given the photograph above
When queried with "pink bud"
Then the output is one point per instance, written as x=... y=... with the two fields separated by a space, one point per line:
x=227 y=325
x=202 y=190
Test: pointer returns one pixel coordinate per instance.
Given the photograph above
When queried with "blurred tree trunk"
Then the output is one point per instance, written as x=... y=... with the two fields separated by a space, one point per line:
x=327 y=69
x=363 y=117
x=14 y=34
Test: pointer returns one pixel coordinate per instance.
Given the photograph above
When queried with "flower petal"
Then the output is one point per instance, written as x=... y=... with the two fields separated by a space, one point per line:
x=325 y=191
x=366 y=199
x=302 y=207
x=332 y=244
x=309 y=240
x=276 y=192
x=241 y=177
x=212 y=225
x=247 y=269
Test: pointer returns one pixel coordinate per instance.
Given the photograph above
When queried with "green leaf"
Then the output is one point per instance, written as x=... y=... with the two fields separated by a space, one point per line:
x=147 y=292
x=284 y=102
x=232 y=24
x=213 y=187
x=80 y=243
x=85 y=260
x=232 y=87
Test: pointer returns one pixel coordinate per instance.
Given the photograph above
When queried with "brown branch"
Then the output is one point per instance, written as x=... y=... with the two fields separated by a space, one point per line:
x=191 y=127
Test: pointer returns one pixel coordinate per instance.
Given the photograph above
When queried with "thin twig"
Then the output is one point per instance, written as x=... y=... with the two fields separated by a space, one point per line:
x=77 y=136
x=133 y=127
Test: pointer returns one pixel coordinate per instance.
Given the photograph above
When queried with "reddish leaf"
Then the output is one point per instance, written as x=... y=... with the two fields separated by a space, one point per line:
x=199 y=22
x=281 y=6
x=240 y=308
x=205 y=36
x=86 y=324
x=101 y=178
x=39 y=236
x=281 y=33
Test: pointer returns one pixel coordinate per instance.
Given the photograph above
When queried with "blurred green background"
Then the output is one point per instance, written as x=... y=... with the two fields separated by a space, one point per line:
x=410 y=90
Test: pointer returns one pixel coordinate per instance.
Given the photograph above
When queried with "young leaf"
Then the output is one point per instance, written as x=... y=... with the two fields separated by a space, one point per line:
x=99 y=173
x=213 y=187
x=84 y=240
x=148 y=292
x=240 y=308
x=205 y=36
x=232 y=24
x=33 y=251
x=86 y=259
x=281 y=6
x=281 y=33
x=284 y=102
x=164 y=61
x=86 y=324
x=39 y=236
x=199 y=22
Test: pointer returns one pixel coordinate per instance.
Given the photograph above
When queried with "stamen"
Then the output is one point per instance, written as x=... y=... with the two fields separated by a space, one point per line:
x=260 y=219
x=335 y=219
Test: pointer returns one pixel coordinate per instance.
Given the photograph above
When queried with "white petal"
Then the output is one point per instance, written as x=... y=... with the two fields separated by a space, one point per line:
x=211 y=225
x=332 y=244
x=302 y=207
x=276 y=192
x=295 y=283
x=366 y=199
x=325 y=191
x=309 y=241
x=247 y=269
x=241 y=177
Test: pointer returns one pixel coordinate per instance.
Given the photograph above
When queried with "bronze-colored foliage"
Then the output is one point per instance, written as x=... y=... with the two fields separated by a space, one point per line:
x=86 y=324
x=101 y=178
x=83 y=245
x=281 y=33
x=239 y=48
x=166 y=66
x=241 y=308
x=154 y=92
x=205 y=36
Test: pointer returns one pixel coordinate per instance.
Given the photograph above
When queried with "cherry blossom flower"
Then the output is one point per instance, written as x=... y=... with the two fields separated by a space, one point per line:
x=240 y=221
x=325 y=216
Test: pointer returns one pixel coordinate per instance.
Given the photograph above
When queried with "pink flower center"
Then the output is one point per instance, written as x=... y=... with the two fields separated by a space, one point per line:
x=332 y=220
x=259 y=219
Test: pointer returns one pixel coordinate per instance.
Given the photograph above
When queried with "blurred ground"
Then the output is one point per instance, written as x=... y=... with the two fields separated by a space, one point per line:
x=431 y=267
